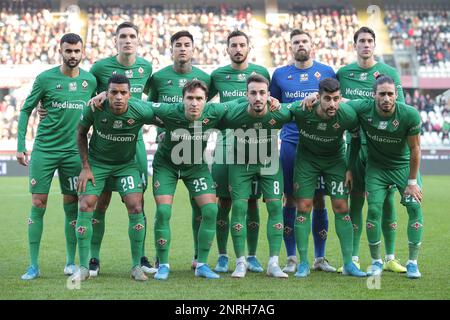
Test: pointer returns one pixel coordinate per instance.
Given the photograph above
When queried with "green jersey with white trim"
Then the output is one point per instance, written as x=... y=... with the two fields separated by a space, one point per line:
x=166 y=85
x=387 y=138
x=64 y=98
x=323 y=138
x=114 y=137
x=256 y=132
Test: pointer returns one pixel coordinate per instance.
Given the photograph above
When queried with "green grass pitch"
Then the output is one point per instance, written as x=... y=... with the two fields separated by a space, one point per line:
x=114 y=280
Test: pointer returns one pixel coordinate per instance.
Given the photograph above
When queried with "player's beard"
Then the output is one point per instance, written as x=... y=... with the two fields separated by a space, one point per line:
x=71 y=63
x=385 y=108
x=242 y=58
x=302 y=56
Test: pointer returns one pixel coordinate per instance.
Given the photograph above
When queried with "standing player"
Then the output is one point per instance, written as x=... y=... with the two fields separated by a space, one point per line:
x=291 y=83
x=230 y=82
x=356 y=82
x=64 y=92
x=115 y=128
x=392 y=130
x=166 y=85
x=180 y=156
x=256 y=158
x=320 y=152
x=138 y=71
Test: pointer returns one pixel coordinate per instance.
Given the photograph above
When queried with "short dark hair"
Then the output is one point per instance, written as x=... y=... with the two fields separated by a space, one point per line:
x=127 y=24
x=257 y=78
x=119 y=79
x=363 y=30
x=236 y=33
x=180 y=34
x=297 y=32
x=194 y=84
x=381 y=79
x=71 y=38
x=329 y=85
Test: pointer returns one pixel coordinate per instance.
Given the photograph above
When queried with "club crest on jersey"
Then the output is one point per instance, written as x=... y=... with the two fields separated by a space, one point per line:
x=238 y=227
x=395 y=123
x=336 y=126
x=304 y=77
x=317 y=75
x=84 y=84
x=205 y=121
x=416 y=226
x=376 y=74
x=138 y=227
x=58 y=87
x=278 y=226
x=33 y=182
x=241 y=77
x=258 y=125
x=363 y=76
x=130 y=122
x=272 y=122
x=162 y=242
x=81 y=230
x=140 y=70
x=382 y=125
x=322 y=126
x=117 y=124
x=129 y=73
x=72 y=86
x=182 y=82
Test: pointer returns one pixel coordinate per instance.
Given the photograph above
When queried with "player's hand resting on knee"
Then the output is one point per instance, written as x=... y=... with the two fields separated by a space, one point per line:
x=85 y=176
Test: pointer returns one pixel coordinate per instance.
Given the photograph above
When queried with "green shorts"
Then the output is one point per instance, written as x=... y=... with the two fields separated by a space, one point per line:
x=43 y=166
x=242 y=179
x=307 y=173
x=196 y=178
x=125 y=178
x=380 y=181
x=142 y=164
x=220 y=176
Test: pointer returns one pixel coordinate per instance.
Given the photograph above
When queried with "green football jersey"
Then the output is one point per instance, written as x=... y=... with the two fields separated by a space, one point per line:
x=257 y=140
x=232 y=84
x=64 y=98
x=357 y=83
x=323 y=138
x=139 y=74
x=387 y=138
x=166 y=85
x=114 y=137
x=186 y=139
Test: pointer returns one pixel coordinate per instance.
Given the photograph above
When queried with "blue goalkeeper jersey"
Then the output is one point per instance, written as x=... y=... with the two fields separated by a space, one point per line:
x=290 y=84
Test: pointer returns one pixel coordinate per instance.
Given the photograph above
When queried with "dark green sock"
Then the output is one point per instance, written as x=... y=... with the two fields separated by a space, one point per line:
x=71 y=212
x=252 y=230
x=98 y=230
x=145 y=232
x=274 y=227
x=162 y=232
x=223 y=228
x=136 y=233
x=356 y=214
x=389 y=223
x=196 y=220
x=374 y=229
x=302 y=227
x=84 y=236
x=238 y=227
x=35 y=228
x=344 y=231
x=207 y=231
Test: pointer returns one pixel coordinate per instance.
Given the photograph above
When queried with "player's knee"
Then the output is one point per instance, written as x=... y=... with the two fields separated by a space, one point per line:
x=252 y=204
x=209 y=212
x=289 y=201
x=135 y=207
x=319 y=201
x=274 y=208
x=414 y=211
x=39 y=200
x=224 y=203
x=239 y=208
x=304 y=205
x=103 y=201
x=87 y=203
x=374 y=211
x=340 y=206
x=163 y=213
